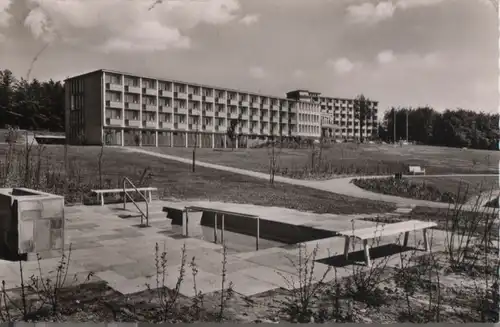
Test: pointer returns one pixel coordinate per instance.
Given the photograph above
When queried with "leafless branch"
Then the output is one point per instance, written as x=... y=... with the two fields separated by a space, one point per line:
x=35 y=58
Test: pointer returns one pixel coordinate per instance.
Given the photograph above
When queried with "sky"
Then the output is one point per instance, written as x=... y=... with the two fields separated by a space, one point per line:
x=441 y=53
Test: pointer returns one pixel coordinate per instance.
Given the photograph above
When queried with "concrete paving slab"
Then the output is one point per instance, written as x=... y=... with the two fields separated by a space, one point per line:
x=247 y=285
x=270 y=275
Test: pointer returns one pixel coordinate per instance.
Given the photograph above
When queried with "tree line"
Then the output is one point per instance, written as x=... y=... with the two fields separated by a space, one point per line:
x=452 y=128
x=31 y=104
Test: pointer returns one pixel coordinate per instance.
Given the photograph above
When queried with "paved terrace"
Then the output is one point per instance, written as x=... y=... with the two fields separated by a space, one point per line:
x=122 y=254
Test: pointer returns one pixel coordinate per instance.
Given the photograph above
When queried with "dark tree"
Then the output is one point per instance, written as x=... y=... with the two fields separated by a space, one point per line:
x=363 y=111
x=232 y=133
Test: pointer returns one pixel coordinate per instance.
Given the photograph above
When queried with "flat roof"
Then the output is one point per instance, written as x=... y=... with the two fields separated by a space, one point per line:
x=206 y=85
x=178 y=81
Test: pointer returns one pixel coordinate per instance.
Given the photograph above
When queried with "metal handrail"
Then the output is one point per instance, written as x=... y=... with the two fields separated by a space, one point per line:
x=125 y=194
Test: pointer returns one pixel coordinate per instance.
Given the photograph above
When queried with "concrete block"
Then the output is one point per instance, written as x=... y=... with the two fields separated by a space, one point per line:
x=56 y=239
x=52 y=208
x=26 y=215
x=38 y=219
x=26 y=230
x=42 y=237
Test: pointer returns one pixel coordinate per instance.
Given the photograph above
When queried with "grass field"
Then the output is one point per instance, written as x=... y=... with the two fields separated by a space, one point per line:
x=350 y=159
x=175 y=180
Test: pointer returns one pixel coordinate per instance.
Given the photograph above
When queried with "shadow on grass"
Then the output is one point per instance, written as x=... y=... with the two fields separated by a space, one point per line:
x=357 y=258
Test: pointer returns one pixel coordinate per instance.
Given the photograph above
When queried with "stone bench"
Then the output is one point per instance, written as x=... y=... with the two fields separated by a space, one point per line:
x=416 y=170
x=147 y=192
x=366 y=234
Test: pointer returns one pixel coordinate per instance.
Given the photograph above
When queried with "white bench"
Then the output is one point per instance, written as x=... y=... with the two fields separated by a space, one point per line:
x=147 y=192
x=375 y=232
x=415 y=170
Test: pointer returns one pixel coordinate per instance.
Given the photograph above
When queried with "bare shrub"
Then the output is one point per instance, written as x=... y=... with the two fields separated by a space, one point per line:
x=225 y=293
x=363 y=284
x=167 y=298
x=306 y=288
x=48 y=289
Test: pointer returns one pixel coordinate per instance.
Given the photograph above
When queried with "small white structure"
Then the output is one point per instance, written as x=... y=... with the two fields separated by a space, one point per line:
x=416 y=170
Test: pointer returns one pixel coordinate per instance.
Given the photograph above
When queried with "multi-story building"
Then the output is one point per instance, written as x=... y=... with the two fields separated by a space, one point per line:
x=117 y=108
x=338 y=116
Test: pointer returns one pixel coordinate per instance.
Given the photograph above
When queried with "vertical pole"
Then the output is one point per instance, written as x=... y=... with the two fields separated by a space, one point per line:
x=184 y=213
x=258 y=234
x=187 y=223
x=222 y=230
x=407 y=126
x=394 y=126
x=215 y=228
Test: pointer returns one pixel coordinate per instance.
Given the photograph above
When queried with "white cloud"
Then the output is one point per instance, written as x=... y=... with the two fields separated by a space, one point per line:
x=5 y=16
x=407 y=4
x=370 y=13
x=386 y=57
x=109 y=25
x=341 y=65
x=250 y=19
x=257 y=72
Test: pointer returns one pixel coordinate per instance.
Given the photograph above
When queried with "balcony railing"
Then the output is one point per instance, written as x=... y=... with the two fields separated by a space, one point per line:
x=166 y=94
x=265 y=106
x=149 y=91
x=114 y=87
x=165 y=108
x=149 y=107
x=114 y=104
x=255 y=105
x=182 y=126
x=132 y=89
x=194 y=112
x=244 y=103
x=195 y=97
x=220 y=100
x=132 y=105
x=132 y=123
x=149 y=124
x=114 y=121
x=207 y=98
x=232 y=102
x=275 y=107
x=180 y=95
x=178 y=110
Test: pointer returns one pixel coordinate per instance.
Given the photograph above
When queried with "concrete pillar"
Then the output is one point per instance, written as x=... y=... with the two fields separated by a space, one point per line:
x=123 y=137
x=171 y=139
x=213 y=140
x=225 y=141
x=156 y=138
x=187 y=139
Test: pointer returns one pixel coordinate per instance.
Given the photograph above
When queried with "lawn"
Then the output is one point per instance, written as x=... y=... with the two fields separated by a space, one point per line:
x=448 y=189
x=173 y=179
x=349 y=159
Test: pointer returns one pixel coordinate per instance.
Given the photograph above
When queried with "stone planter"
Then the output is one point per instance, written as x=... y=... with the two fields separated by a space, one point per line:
x=31 y=222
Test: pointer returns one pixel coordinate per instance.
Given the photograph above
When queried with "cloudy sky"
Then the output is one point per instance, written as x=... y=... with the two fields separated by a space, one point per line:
x=442 y=53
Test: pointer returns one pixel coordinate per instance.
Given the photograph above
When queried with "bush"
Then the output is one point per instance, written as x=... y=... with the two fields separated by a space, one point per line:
x=405 y=188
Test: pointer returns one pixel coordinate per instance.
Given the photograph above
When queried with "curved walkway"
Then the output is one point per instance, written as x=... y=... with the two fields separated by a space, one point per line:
x=342 y=186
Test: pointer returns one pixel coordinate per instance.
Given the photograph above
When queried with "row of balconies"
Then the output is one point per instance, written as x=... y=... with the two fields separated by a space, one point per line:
x=195 y=97
x=163 y=108
x=186 y=126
